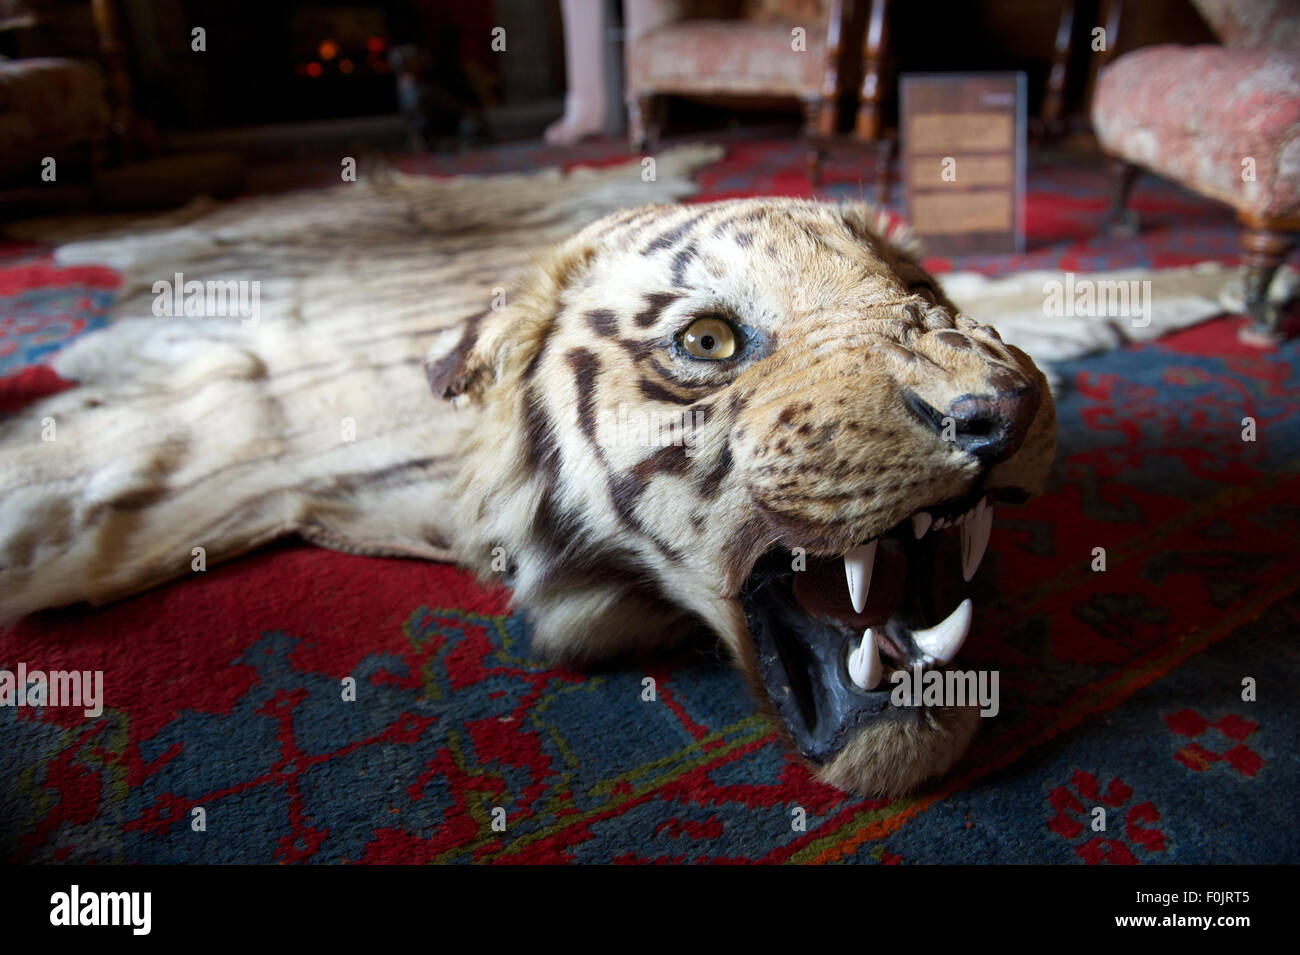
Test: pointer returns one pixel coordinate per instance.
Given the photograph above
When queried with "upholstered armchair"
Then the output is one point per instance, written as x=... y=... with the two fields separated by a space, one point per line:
x=739 y=50
x=1223 y=120
x=46 y=105
x=61 y=106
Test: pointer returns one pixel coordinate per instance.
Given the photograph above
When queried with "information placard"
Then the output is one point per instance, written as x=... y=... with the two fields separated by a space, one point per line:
x=962 y=144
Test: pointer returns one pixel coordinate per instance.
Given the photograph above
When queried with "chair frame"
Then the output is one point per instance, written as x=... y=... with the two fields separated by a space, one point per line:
x=820 y=109
x=1266 y=241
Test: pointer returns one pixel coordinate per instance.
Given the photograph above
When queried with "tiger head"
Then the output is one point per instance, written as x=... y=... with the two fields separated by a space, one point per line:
x=761 y=417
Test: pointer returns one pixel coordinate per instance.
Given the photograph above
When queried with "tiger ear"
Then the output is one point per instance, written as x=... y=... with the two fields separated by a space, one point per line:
x=875 y=223
x=452 y=366
x=498 y=345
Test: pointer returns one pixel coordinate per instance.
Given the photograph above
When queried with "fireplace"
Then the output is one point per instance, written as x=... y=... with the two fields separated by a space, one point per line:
x=292 y=61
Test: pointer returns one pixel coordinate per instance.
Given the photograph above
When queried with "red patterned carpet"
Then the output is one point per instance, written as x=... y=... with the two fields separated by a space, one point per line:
x=1120 y=689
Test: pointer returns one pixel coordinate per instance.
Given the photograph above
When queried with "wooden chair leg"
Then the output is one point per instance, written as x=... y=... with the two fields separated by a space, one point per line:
x=821 y=110
x=828 y=112
x=108 y=24
x=644 y=120
x=814 y=158
x=1121 y=221
x=1264 y=250
x=884 y=156
x=656 y=113
x=873 y=52
x=811 y=107
x=635 y=124
x=1054 y=96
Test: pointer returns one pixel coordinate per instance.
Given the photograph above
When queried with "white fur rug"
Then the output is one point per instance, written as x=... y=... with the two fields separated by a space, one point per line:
x=1048 y=314
x=193 y=440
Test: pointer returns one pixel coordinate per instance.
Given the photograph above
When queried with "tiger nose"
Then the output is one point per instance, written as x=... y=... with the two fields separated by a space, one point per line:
x=991 y=428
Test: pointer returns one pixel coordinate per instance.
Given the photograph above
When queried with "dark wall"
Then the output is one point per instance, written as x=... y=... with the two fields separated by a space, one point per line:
x=264 y=62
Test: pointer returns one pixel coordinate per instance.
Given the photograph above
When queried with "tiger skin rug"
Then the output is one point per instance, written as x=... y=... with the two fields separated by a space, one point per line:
x=303 y=409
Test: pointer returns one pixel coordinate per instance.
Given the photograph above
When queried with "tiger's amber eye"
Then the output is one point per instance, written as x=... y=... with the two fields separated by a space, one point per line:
x=710 y=338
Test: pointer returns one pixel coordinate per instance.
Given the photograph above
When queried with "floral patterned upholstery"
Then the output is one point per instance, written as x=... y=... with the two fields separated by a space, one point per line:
x=728 y=57
x=1196 y=114
x=1253 y=25
x=46 y=104
x=750 y=55
x=1223 y=120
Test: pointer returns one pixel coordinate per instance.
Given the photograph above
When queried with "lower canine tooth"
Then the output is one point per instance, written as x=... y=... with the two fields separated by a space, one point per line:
x=921 y=522
x=865 y=668
x=857 y=568
x=943 y=640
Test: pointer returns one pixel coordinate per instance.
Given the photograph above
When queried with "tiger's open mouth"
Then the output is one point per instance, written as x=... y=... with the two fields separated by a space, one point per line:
x=829 y=636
